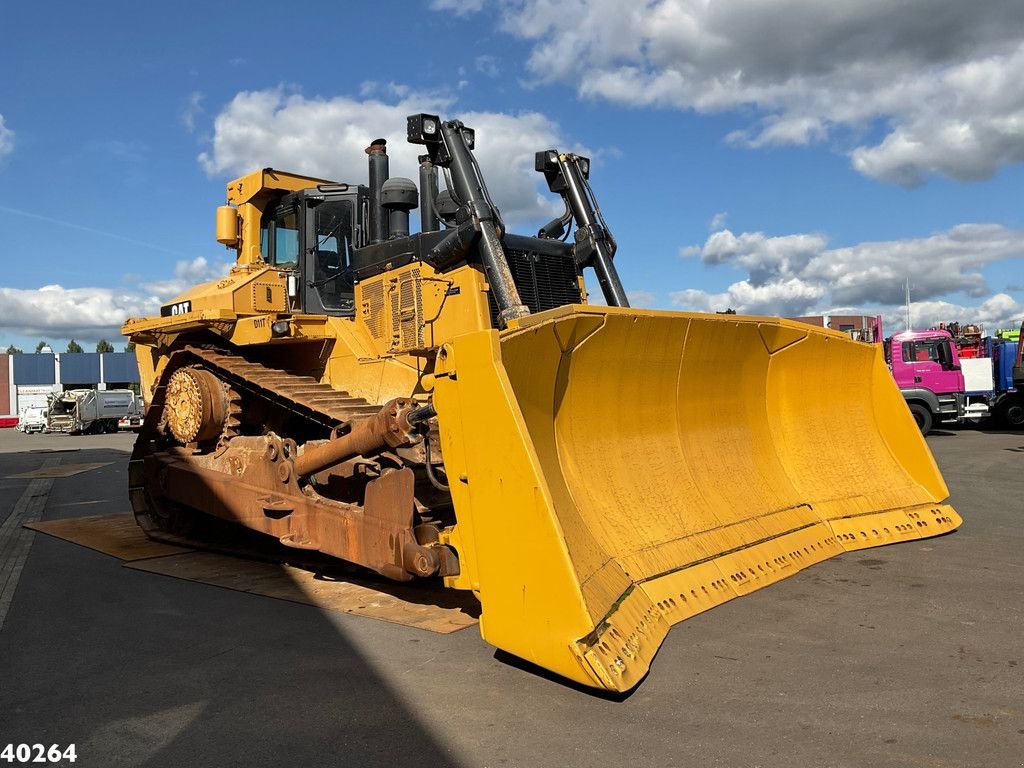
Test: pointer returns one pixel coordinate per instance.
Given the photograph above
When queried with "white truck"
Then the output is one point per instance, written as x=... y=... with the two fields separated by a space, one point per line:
x=80 y=411
x=32 y=420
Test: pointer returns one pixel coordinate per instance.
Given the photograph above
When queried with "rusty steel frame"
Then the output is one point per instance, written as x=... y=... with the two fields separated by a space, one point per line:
x=266 y=483
x=254 y=484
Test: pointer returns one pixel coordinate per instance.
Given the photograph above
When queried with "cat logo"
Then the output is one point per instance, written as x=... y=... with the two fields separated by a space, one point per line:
x=178 y=308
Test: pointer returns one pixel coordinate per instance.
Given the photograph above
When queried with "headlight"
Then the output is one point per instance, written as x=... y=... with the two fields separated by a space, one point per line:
x=545 y=161
x=424 y=129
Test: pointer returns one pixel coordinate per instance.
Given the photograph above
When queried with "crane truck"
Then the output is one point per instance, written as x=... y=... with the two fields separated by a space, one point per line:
x=448 y=404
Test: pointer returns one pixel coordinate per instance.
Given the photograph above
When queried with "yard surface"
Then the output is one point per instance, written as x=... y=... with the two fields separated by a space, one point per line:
x=906 y=655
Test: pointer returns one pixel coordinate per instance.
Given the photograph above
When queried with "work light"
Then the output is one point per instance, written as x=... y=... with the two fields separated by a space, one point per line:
x=424 y=128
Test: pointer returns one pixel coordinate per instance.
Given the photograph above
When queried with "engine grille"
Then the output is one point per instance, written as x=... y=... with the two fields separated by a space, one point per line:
x=544 y=281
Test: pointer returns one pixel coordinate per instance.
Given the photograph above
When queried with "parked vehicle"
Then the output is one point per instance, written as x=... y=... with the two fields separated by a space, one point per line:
x=957 y=378
x=32 y=421
x=1008 y=373
x=79 y=411
x=132 y=421
x=927 y=370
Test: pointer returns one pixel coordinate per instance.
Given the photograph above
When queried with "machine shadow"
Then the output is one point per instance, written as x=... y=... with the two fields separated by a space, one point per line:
x=138 y=669
x=545 y=674
x=251 y=546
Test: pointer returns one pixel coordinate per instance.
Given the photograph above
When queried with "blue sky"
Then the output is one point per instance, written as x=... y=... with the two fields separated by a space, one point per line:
x=780 y=158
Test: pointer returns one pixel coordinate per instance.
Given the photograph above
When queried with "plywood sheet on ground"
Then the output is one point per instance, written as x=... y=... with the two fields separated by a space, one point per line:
x=61 y=470
x=114 y=535
x=421 y=605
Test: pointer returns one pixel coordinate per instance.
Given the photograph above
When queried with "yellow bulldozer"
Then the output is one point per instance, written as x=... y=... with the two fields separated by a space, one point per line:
x=448 y=405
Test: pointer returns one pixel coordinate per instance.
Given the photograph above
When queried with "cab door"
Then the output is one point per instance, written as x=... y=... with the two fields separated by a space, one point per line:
x=281 y=246
x=328 y=278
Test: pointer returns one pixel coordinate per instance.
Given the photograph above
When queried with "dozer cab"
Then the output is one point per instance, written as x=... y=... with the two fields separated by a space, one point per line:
x=449 y=405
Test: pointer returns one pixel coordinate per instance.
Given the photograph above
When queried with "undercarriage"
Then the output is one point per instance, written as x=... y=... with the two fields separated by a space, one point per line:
x=292 y=458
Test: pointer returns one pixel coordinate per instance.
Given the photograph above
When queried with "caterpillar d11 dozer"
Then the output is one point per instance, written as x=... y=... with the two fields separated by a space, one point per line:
x=447 y=405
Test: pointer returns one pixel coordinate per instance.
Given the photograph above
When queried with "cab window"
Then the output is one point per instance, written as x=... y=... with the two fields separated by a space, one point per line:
x=285 y=253
x=927 y=351
x=332 y=228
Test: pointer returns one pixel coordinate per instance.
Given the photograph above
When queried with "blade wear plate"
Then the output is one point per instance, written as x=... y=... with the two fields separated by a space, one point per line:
x=621 y=470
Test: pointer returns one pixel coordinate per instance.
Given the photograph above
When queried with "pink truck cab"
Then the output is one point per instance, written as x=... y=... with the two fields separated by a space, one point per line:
x=926 y=368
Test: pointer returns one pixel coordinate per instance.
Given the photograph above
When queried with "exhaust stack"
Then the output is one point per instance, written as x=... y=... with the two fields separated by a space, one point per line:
x=428 y=195
x=378 y=161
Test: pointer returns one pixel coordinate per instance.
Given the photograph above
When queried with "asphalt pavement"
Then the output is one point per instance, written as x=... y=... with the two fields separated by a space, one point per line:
x=906 y=655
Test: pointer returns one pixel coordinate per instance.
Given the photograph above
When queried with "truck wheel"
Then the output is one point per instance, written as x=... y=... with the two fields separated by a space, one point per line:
x=922 y=417
x=1013 y=414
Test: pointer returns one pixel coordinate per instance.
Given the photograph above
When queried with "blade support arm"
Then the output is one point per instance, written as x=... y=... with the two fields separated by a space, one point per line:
x=450 y=147
x=566 y=175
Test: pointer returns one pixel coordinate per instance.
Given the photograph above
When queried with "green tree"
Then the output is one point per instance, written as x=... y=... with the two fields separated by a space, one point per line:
x=13 y=350
x=129 y=347
x=104 y=346
x=74 y=346
x=41 y=345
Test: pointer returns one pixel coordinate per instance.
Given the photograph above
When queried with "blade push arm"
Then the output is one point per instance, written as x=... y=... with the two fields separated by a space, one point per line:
x=566 y=175
x=450 y=145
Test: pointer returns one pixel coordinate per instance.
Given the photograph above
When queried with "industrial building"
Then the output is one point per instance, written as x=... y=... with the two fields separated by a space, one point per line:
x=27 y=379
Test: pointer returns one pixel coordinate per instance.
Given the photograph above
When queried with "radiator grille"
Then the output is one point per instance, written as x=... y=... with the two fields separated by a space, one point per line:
x=373 y=307
x=407 y=315
x=544 y=281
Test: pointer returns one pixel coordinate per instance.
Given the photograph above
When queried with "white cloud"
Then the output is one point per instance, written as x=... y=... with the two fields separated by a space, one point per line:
x=193 y=109
x=89 y=314
x=999 y=311
x=86 y=314
x=642 y=298
x=763 y=257
x=326 y=138
x=942 y=263
x=798 y=274
x=718 y=221
x=459 y=7
x=487 y=65
x=6 y=139
x=781 y=297
x=944 y=79
x=186 y=275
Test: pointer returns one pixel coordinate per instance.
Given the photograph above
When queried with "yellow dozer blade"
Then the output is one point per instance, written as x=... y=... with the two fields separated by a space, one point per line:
x=615 y=471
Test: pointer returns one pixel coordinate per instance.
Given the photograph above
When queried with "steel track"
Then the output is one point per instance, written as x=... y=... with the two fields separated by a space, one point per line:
x=302 y=396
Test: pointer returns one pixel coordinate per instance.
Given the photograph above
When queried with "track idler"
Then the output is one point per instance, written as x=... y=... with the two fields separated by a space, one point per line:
x=196 y=405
